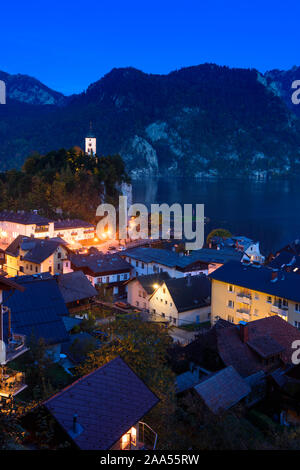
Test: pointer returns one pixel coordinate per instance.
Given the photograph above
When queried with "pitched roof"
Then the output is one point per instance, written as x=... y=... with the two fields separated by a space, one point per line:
x=265 y=346
x=37 y=250
x=38 y=308
x=149 y=280
x=23 y=218
x=9 y=284
x=267 y=336
x=71 y=223
x=223 y=390
x=210 y=255
x=100 y=264
x=161 y=256
x=259 y=278
x=75 y=286
x=189 y=292
x=108 y=402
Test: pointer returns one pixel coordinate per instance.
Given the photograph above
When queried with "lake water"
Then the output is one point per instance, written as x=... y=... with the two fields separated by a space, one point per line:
x=267 y=211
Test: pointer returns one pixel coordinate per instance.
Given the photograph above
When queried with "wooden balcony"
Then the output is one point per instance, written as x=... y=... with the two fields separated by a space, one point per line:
x=11 y=382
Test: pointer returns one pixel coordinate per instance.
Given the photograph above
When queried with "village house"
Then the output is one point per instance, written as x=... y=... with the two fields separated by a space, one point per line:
x=37 y=310
x=234 y=389
x=75 y=288
x=287 y=258
x=154 y=260
x=259 y=346
x=27 y=255
x=110 y=419
x=182 y=301
x=211 y=259
x=261 y=352
x=109 y=270
x=140 y=289
x=31 y=224
x=250 y=250
x=248 y=292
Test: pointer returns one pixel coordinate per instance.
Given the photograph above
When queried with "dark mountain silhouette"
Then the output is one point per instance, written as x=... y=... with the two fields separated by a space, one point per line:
x=202 y=120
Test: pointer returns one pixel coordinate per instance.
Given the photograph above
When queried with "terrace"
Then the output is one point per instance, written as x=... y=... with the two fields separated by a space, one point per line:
x=11 y=382
x=15 y=347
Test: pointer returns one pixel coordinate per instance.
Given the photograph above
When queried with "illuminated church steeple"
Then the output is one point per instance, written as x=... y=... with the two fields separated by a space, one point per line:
x=90 y=142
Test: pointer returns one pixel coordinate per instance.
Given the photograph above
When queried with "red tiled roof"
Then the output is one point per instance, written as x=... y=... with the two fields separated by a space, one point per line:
x=242 y=357
x=267 y=336
x=108 y=402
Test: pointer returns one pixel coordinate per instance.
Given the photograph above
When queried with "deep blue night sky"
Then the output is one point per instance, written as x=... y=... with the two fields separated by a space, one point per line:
x=69 y=44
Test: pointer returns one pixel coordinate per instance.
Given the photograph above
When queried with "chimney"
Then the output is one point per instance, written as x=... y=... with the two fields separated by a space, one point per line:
x=75 y=423
x=244 y=331
x=274 y=275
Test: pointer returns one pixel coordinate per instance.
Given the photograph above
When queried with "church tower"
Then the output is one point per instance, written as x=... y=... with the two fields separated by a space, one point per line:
x=90 y=142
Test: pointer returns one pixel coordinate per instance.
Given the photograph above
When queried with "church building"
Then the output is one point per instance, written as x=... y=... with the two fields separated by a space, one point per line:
x=90 y=142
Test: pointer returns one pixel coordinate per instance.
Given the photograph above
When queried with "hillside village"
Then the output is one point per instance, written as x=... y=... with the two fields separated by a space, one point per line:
x=194 y=343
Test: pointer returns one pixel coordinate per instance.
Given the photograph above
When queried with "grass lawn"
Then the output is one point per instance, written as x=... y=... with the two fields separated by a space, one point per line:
x=55 y=374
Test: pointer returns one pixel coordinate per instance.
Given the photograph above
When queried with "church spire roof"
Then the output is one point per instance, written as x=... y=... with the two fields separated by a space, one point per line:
x=91 y=134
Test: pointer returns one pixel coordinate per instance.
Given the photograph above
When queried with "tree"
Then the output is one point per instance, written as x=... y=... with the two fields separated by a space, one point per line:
x=218 y=232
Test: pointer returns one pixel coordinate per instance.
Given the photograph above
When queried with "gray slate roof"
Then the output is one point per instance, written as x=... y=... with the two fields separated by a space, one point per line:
x=161 y=256
x=37 y=309
x=210 y=255
x=190 y=292
x=149 y=280
x=37 y=249
x=108 y=402
x=75 y=286
x=259 y=278
x=223 y=390
x=24 y=218
x=71 y=223
x=100 y=264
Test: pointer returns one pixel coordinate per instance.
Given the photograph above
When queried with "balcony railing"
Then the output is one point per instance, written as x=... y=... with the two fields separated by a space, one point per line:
x=279 y=310
x=147 y=437
x=243 y=313
x=244 y=297
x=41 y=229
x=11 y=382
x=15 y=347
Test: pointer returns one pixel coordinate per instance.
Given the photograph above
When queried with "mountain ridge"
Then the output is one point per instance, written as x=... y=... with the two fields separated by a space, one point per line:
x=202 y=120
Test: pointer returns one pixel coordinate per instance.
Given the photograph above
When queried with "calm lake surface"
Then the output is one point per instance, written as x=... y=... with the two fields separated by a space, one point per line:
x=267 y=211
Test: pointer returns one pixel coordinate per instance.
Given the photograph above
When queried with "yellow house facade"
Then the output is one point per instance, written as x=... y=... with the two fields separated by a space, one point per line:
x=34 y=256
x=247 y=293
